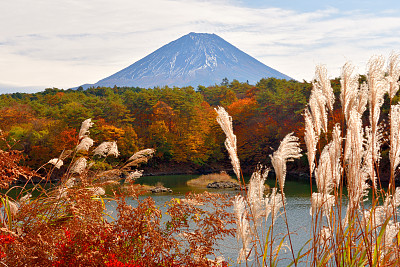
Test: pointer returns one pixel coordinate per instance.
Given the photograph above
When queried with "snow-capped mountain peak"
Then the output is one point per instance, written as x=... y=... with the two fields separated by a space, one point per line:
x=194 y=59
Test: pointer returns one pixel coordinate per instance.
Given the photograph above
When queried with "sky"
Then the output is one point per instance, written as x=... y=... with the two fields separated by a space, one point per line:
x=64 y=44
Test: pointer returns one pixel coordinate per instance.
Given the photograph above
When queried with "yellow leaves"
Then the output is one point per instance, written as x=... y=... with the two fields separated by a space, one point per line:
x=112 y=132
x=108 y=132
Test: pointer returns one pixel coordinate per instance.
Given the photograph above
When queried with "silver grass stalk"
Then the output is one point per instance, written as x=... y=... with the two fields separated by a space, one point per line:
x=362 y=98
x=85 y=144
x=243 y=227
x=354 y=154
x=379 y=216
x=145 y=153
x=328 y=174
x=273 y=205
x=12 y=206
x=373 y=143
x=335 y=153
x=378 y=86
x=323 y=173
x=225 y=121
x=389 y=242
x=25 y=199
x=396 y=198
x=97 y=191
x=79 y=166
x=390 y=205
x=255 y=194
x=354 y=139
x=62 y=192
x=325 y=235
x=288 y=150
x=322 y=202
x=70 y=182
x=318 y=109
x=311 y=139
x=393 y=71
x=349 y=89
x=134 y=175
x=84 y=131
x=56 y=162
x=323 y=84
x=394 y=153
x=106 y=149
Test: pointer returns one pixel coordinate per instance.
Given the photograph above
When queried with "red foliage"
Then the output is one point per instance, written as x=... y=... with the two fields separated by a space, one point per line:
x=67 y=139
x=4 y=241
x=114 y=262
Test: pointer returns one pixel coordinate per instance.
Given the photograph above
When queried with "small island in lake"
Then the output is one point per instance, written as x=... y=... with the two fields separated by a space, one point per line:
x=214 y=180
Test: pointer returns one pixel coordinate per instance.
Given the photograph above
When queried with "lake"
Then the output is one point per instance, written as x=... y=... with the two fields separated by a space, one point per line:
x=297 y=208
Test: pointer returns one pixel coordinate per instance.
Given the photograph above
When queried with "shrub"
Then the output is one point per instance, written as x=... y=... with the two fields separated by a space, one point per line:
x=68 y=223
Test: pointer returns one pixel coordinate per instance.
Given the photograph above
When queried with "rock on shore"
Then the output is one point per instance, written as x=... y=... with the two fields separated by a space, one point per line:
x=160 y=189
x=222 y=185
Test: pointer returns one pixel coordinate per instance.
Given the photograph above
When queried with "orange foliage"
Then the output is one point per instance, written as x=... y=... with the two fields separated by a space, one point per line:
x=53 y=100
x=109 y=132
x=67 y=139
x=243 y=109
x=163 y=112
x=18 y=113
x=128 y=144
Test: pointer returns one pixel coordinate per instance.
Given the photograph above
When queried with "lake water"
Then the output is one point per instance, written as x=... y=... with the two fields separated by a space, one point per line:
x=297 y=209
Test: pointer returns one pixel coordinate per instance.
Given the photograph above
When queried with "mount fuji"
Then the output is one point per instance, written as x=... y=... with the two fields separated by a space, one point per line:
x=193 y=59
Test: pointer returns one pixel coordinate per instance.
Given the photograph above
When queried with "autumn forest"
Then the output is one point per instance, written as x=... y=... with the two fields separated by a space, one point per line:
x=178 y=122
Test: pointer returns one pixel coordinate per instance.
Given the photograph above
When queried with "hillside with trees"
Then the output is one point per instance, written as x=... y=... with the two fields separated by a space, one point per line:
x=178 y=122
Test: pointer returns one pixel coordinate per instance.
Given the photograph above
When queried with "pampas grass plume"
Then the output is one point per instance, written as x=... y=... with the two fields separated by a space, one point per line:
x=311 y=139
x=349 y=89
x=79 y=165
x=394 y=153
x=56 y=162
x=12 y=206
x=106 y=149
x=273 y=204
x=97 y=191
x=225 y=121
x=243 y=227
x=134 y=175
x=393 y=71
x=288 y=150
x=142 y=153
x=323 y=84
x=85 y=144
x=84 y=131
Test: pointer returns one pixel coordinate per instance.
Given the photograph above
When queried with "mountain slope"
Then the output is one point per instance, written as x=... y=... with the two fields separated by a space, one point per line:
x=194 y=59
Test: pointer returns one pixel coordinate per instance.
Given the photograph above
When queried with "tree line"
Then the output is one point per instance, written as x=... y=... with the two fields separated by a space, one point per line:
x=178 y=122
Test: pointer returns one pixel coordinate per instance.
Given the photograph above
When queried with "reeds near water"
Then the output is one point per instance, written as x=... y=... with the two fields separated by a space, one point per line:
x=356 y=228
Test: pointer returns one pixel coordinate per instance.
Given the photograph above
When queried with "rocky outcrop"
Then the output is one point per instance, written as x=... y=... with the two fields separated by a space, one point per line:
x=223 y=185
x=160 y=189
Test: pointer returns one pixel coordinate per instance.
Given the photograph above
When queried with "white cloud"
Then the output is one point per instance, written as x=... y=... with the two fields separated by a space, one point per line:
x=68 y=43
